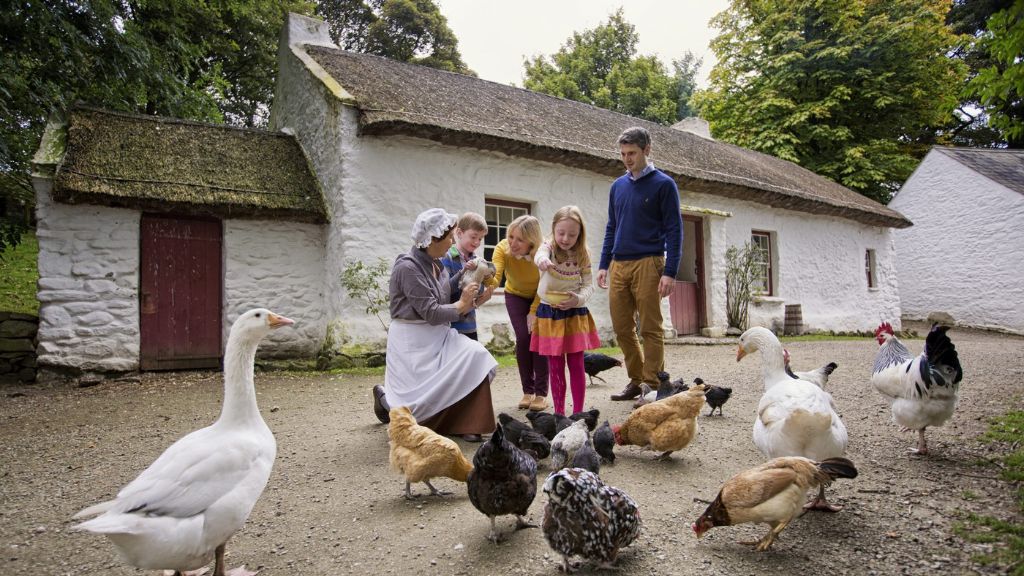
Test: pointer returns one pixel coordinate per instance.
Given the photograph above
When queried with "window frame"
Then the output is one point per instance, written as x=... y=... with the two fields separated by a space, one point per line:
x=769 y=268
x=498 y=228
x=871 y=268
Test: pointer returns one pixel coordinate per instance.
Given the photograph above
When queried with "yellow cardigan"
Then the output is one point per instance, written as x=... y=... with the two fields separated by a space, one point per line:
x=521 y=274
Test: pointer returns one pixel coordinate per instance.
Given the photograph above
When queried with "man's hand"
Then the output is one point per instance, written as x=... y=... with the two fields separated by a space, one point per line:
x=665 y=285
x=602 y=279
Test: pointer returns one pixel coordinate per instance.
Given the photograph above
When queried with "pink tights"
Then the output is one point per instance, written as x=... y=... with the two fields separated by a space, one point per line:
x=577 y=381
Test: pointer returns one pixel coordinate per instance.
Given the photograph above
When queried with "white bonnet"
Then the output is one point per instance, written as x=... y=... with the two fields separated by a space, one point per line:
x=430 y=224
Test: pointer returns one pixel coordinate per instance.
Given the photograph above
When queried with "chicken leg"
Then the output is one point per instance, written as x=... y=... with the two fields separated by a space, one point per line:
x=922 y=444
x=820 y=503
x=769 y=538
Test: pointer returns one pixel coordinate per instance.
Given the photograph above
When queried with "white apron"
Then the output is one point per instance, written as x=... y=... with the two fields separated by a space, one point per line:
x=429 y=368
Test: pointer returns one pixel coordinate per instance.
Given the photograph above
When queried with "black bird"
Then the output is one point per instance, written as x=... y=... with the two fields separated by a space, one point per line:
x=513 y=428
x=589 y=416
x=586 y=458
x=534 y=443
x=594 y=364
x=548 y=424
x=503 y=481
x=715 y=396
x=604 y=442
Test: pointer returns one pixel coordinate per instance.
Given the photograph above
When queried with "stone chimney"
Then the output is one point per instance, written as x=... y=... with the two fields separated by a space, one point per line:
x=694 y=125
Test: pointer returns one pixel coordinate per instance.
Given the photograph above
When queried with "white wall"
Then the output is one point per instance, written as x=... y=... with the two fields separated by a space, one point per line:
x=280 y=266
x=88 y=285
x=963 y=253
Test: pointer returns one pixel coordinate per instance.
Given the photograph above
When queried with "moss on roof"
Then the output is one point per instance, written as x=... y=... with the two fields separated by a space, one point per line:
x=398 y=98
x=168 y=165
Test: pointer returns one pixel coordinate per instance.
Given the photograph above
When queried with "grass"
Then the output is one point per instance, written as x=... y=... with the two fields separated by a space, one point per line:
x=1006 y=537
x=18 y=276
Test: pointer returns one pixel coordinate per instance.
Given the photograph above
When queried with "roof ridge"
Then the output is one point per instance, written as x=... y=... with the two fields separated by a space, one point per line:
x=160 y=119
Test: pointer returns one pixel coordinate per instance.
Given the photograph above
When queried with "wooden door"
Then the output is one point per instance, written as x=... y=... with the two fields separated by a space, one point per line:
x=686 y=301
x=181 y=280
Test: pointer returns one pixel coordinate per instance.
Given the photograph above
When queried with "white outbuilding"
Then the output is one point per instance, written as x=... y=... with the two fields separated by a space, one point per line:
x=963 y=255
x=357 y=146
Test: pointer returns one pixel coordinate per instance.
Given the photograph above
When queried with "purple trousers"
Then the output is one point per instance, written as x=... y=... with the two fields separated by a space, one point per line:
x=533 y=367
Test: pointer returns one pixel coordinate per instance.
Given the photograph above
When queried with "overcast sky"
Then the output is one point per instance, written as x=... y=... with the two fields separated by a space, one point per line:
x=496 y=36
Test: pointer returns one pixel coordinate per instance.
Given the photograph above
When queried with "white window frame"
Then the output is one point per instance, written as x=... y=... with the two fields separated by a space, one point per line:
x=870 y=268
x=762 y=242
x=499 y=214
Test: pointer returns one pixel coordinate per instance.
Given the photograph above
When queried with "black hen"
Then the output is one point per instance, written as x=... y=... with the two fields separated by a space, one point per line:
x=588 y=416
x=503 y=481
x=715 y=396
x=535 y=444
x=594 y=364
x=548 y=424
x=586 y=517
x=604 y=442
x=513 y=428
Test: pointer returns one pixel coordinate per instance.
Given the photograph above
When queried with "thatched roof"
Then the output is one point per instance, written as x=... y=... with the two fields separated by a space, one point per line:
x=168 y=165
x=1003 y=166
x=399 y=98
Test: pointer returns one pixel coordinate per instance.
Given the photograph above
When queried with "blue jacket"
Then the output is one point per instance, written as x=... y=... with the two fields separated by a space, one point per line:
x=453 y=262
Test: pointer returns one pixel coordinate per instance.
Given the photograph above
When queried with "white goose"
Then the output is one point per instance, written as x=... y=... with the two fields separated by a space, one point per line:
x=795 y=417
x=181 y=511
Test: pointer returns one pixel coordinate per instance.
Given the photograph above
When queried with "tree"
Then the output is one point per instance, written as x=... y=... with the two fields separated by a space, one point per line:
x=685 y=77
x=998 y=86
x=842 y=88
x=600 y=67
x=189 y=59
x=405 y=30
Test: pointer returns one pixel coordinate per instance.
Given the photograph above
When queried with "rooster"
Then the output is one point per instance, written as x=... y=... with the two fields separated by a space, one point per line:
x=921 y=391
x=771 y=493
x=421 y=454
x=819 y=376
x=594 y=364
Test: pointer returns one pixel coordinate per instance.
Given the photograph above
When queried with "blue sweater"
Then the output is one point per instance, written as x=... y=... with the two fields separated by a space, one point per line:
x=644 y=220
x=453 y=262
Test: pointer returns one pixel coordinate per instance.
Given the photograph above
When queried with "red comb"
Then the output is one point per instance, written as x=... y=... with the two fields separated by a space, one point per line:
x=884 y=327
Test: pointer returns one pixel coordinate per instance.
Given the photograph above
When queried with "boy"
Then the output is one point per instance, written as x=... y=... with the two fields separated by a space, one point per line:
x=469 y=235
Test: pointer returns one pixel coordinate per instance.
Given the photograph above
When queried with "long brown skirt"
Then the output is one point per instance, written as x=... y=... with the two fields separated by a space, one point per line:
x=474 y=414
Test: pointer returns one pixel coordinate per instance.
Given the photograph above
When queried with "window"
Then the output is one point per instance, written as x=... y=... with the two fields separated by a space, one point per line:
x=869 y=268
x=499 y=214
x=761 y=242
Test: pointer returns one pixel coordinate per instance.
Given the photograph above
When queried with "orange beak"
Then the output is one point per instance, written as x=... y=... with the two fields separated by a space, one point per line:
x=276 y=321
x=740 y=353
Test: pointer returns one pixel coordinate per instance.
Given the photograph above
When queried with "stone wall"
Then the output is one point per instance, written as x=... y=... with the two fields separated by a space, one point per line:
x=18 y=347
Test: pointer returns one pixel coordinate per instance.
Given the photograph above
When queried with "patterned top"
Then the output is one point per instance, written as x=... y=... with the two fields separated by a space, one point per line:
x=564 y=277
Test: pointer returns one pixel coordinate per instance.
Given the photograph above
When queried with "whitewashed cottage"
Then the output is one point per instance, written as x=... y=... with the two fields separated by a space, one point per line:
x=963 y=254
x=383 y=140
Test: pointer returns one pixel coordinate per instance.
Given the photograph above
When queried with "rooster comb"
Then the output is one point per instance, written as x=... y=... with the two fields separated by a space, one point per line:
x=886 y=328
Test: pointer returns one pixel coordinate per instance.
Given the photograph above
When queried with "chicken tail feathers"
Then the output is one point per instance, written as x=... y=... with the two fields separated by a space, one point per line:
x=838 y=468
x=940 y=352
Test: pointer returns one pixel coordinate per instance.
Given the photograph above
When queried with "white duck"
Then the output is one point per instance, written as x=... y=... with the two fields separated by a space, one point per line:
x=795 y=417
x=181 y=511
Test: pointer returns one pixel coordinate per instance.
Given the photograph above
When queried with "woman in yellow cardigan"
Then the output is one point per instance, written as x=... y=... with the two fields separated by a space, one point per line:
x=513 y=259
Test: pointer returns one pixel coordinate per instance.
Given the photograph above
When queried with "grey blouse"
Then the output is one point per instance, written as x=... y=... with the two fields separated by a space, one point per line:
x=417 y=295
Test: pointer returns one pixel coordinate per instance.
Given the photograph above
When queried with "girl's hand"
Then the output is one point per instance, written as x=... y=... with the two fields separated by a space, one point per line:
x=544 y=264
x=571 y=302
x=531 y=321
x=465 y=303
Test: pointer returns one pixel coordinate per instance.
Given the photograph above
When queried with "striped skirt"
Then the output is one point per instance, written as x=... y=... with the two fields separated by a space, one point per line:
x=560 y=332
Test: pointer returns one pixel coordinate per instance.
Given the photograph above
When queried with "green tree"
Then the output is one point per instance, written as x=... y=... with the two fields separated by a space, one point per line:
x=685 y=77
x=405 y=30
x=601 y=67
x=998 y=85
x=209 y=61
x=844 y=89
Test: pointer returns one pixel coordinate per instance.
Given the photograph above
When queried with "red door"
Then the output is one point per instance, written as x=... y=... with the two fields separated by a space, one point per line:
x=181 y=279
x=686 y=301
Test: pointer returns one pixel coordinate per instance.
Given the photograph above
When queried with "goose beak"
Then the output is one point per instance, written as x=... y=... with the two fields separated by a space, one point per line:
x=740 y=353
x=276 y=321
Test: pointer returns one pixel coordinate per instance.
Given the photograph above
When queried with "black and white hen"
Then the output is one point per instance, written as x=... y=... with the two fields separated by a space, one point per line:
x=585 y=517
x=503 y=481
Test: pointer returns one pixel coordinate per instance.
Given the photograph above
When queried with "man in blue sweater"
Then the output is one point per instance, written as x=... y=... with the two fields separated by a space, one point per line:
x=640 y=257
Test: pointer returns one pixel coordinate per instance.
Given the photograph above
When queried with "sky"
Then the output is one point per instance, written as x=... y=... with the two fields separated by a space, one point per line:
x=495 y=37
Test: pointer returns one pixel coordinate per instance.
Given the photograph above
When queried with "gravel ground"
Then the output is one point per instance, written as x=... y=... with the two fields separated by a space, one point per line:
x=333 y=507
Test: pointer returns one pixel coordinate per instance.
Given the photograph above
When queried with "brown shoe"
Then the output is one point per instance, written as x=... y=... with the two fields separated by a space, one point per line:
x=539 y=404
x=526 y=401
x=380 y=405
x=631 y=391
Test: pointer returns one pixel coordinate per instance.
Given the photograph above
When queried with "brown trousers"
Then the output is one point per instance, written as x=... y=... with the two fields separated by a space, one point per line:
x=633 y=290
